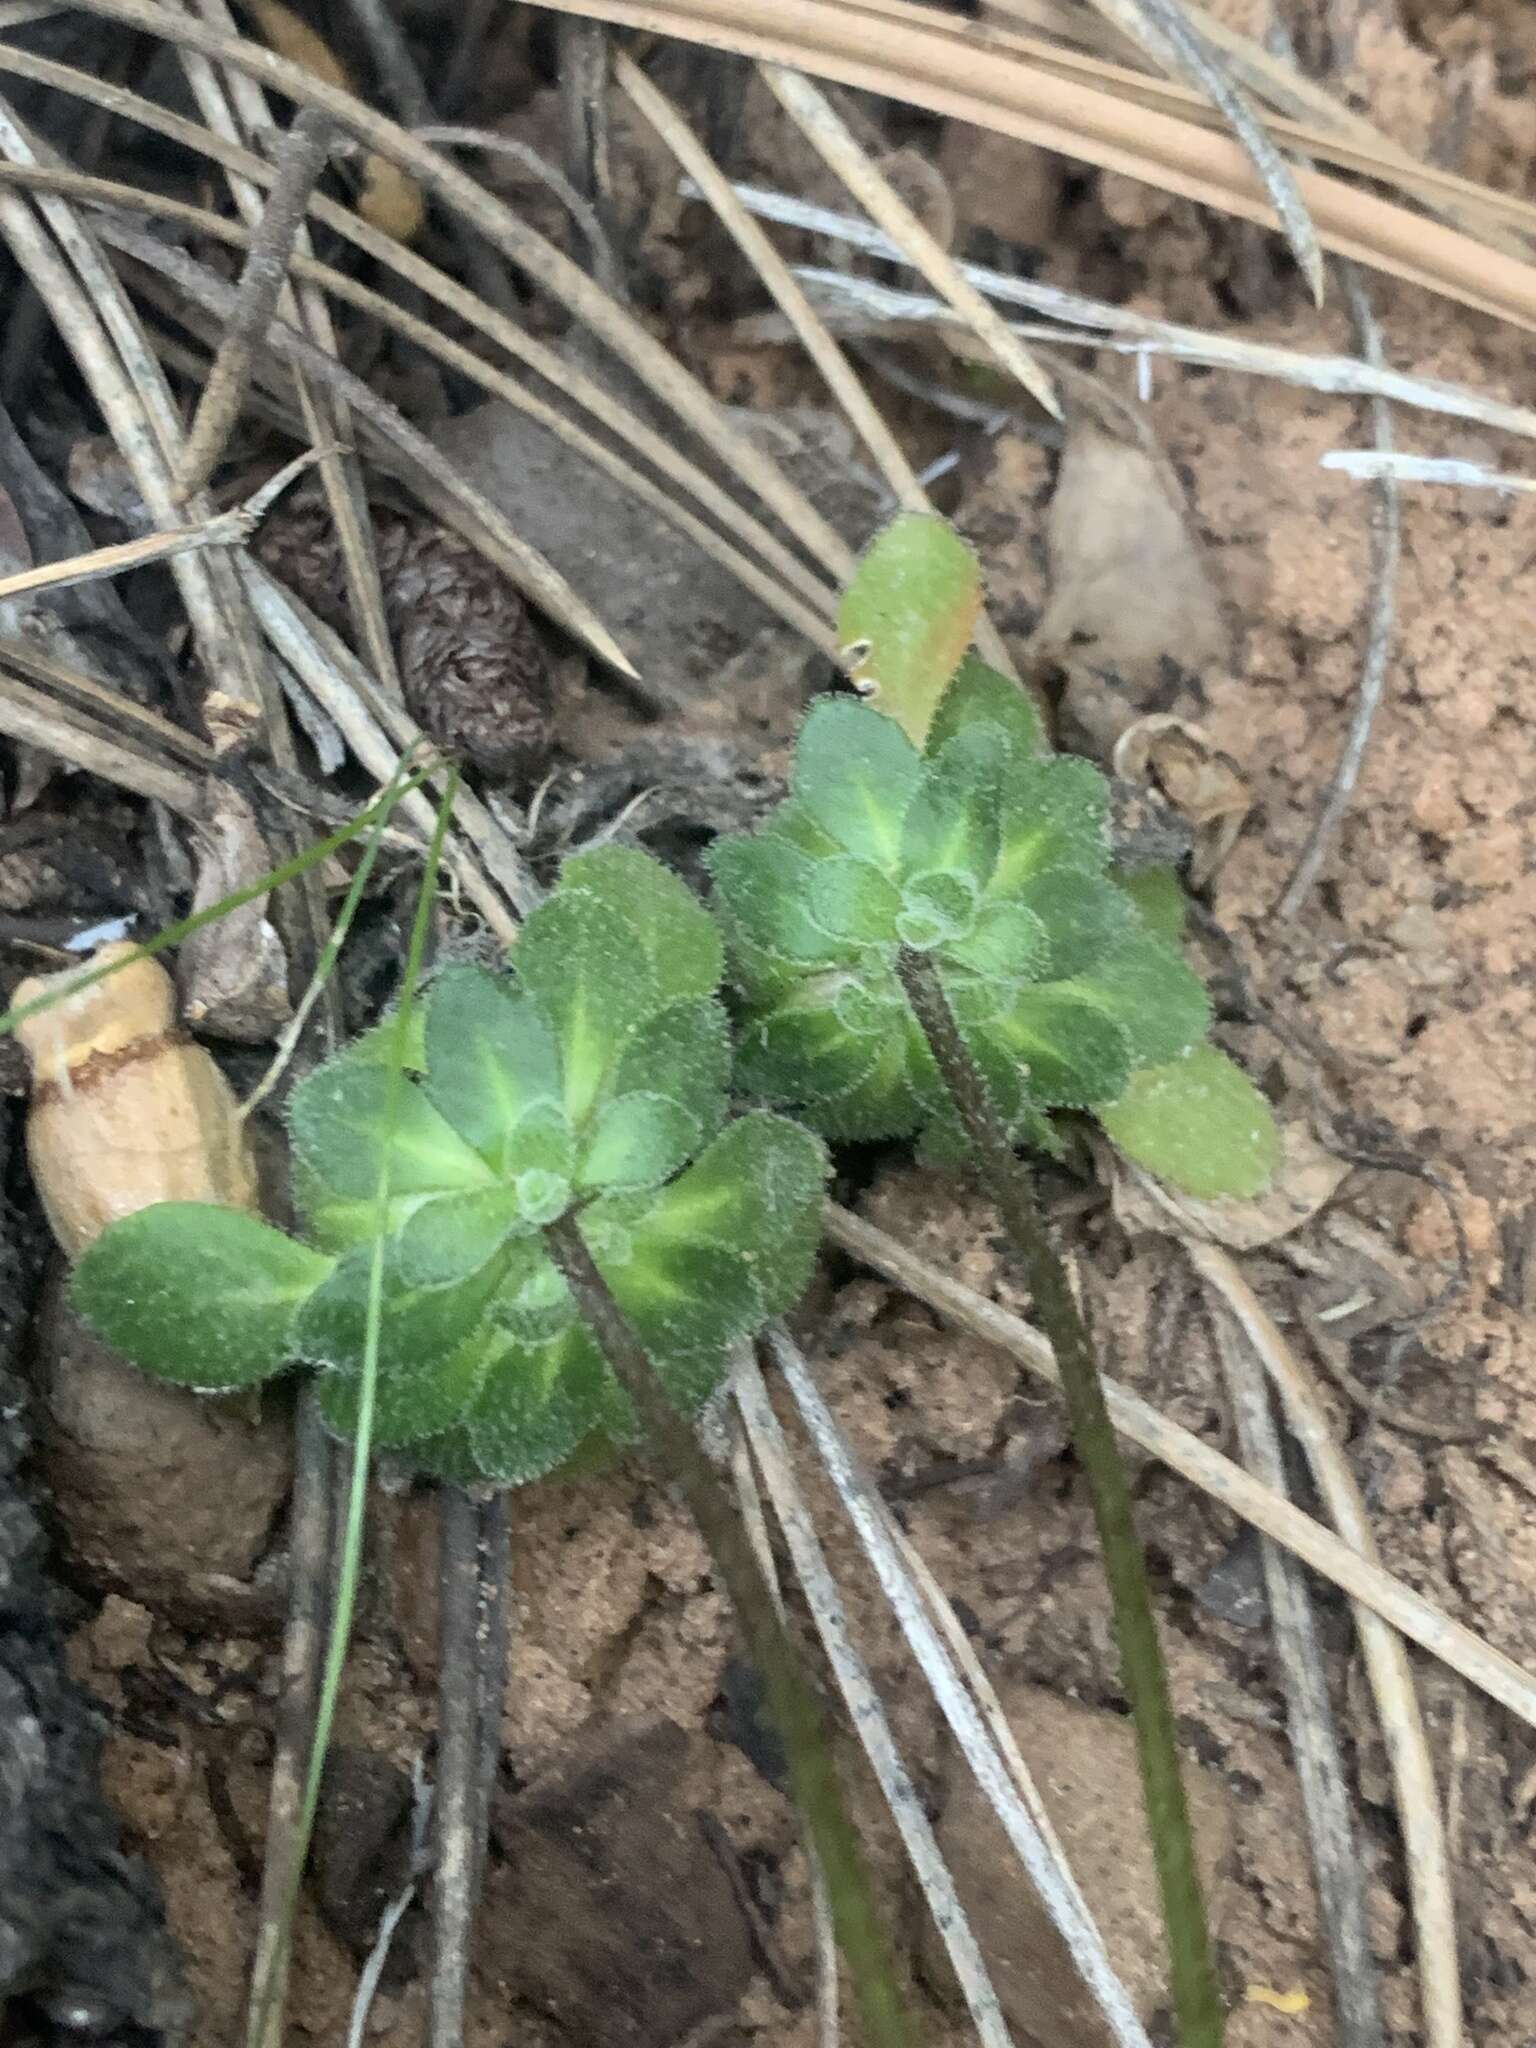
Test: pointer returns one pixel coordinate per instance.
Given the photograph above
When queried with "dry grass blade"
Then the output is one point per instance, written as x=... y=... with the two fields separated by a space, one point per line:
x=658 y=368
x=865 y=1708
x=750 y=1501
x=1305 y=121
x=1039 y=1856
x=974 y=1673
x=235 y=109
x=1418 y=1796
x=1381 y=611
x=486 y=868
x=1311 y=121
x=97 y=700
x=438 y=481
x=802 y=616
x=832 y=139
x=310 y=1562
x=220 y=530
x=455 y=1834
x=1310 y=1723
x=101 y=327
x=869 y=307
x=1170 y=38
x=885 y=450
x=574 y=384
x=1346 y=375
x=916 y=56
x=605 y=267
x=38 y=720
x=256 y=297
x=1398 y=466
x=1358 y=1575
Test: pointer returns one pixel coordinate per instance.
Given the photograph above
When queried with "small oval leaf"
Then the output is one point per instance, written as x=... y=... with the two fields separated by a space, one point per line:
x=1198 y=1122
x=907 y=617
x=637 y=1141
x=490 y=1056
x=580 y=961
x=198 y=1295
x=672 y=929
x=345 y=1119
x=855 y=773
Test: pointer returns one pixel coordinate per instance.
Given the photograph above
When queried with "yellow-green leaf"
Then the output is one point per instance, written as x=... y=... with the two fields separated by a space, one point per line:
x=907 y=618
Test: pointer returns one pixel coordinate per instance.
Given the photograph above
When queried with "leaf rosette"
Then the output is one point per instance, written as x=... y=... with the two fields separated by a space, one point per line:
x=994 y=859
x=591 y=1079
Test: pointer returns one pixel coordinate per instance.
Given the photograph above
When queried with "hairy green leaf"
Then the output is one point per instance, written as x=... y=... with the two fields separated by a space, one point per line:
x=1085 y=919
x=884 y=1102
x=1160 y=1002
x=541 y=1141
x=1198 y=1122
x=202 y=1296
x=1070 y=1053
x=417 y=1324
x=535 y=1304
x=1052 y=814
x=580 y=961
x=936 y=909
x=490 y=1056
x=1006 y=944
x=755 y=1193
x=686 y=1297
x=684 y=1053
x=536 y=1404
x=855 y=773
x=449 y=1237
x=952 y=822
x=978 y=696
x=345 y=1117
x=375 y=1047
x=674 y=932
x=907 y=617
x=793 y=823
x=872 y=1004
x=637 y=1141
x=411 y=1400
x=851 y=900
x=763 y=884
x=1158 y=896
x=799 y=1051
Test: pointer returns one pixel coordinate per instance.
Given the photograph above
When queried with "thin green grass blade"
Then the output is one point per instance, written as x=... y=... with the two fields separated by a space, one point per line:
x=357 y=1493
x=293 y=1030
x=173 y=934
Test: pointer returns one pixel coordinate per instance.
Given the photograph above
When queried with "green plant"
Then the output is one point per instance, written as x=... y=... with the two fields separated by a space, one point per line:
x=530 y=1229
x=591 y=1081
x=930 y=939
x=931 y=818
x=991 y=860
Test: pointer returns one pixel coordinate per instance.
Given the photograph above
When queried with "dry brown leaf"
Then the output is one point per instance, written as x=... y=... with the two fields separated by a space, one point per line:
x=1177 y=759
x=1130 y=588
x=1308 y=1177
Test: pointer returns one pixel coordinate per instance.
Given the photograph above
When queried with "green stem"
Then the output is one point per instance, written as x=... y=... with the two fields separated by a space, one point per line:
x=1196 y=2000
x=796 y=1711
